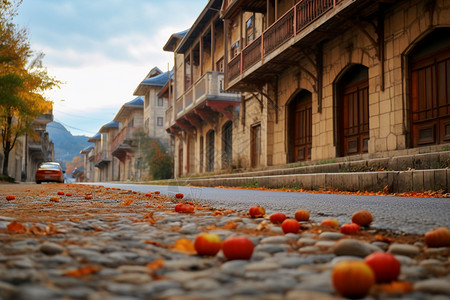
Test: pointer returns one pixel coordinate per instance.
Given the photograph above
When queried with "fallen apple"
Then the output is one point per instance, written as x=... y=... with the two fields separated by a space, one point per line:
x=184 y=208
x=10 y=197
x=330 y=223
x=69 y=194
x=179 y=195
x=302 y=215
x=60 y=193
x=352 y=279
x=238 y=247
x=148 y=194
x=290 y=226
x=439 y=237
x=277 y=218
x=207 y=244
x=362 y=218
x=350 y=228
x=257 y=211
x=384 y=265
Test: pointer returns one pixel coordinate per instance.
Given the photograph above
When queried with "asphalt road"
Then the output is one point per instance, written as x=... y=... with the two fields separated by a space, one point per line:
x=401 y=214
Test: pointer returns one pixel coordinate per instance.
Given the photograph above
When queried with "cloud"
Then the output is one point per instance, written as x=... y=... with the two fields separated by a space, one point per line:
x=102 y=49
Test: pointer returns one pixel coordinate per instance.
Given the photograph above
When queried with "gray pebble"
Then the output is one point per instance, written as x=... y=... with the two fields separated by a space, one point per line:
x=51 y=248
x=334 y=236
x=404 y=249
x=351 y=247
x=433 y=286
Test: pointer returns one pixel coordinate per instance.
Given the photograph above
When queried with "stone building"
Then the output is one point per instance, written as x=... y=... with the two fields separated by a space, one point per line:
x=202 y=115
x=338 y=78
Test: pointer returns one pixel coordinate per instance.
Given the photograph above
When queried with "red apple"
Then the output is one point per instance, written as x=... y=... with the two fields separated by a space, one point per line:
x=352 y=279
x=362 y=218
x=290 y=226
x=439 y=237
x=148 y=194
x=60 y=193
x=330 y=223
x=302 y=215
x=385 y=266
x=184 y=208
x=238 y=247
x=207 y=244
x=157 y=192
x=257 y=211
x=277 y=218
x=350 y=228
x=69 y=194
x=179 y=195
x=10 y=197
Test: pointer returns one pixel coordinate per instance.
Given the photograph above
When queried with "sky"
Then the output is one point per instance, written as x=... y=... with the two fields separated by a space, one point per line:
x=101 y=50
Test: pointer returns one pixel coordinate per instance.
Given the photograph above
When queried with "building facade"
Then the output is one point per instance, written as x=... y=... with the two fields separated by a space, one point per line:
x=202 y=115
x=313 y=81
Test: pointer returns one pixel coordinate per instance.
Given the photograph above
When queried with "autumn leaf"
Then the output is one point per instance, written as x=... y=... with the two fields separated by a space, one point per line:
x=396 y=287
x=217 y=213
x=54 y=199
x=127 y=202
x=73 y=219
x=17 y=227
x=36 y=230
x=155 y=265
x=155 y=244
x=385 y=239
x=231 y=225
x=80 y=272
x=184 y=245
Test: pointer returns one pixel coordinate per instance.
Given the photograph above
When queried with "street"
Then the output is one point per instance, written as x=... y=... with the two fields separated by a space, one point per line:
x=403 y=214
x=111 y=241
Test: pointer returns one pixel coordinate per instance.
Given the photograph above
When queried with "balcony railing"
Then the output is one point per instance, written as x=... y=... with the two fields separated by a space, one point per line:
x=289 y=25
x=210 y=86
x=101 y=157
x=123 y=137
x=169 y=117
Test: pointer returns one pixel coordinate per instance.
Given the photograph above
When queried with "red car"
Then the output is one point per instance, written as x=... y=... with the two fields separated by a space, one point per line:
x=49 y=172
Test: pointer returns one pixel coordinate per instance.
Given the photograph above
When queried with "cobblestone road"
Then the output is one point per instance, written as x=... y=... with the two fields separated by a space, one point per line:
x=125 y=245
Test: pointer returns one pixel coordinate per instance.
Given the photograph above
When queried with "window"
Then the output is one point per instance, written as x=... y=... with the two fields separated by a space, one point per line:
x=160 y=121
x=235 y=49
x=160 y=101
x=220 y=65
x=250 y=29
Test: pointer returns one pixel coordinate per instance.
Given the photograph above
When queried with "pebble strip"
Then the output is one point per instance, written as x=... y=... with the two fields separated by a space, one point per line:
x=115 y=252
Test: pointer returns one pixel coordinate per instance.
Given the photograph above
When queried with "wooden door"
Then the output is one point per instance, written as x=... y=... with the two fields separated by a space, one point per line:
x=180 y=161
x=227 y=144
x=430 y=100
x=255 y=145
x=300 y=127
x=355 y=118
x=210 y=151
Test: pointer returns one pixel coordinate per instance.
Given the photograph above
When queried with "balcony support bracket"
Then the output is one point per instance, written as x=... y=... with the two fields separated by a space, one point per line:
x=377 y=41
x=255 y=90
x=317 y=63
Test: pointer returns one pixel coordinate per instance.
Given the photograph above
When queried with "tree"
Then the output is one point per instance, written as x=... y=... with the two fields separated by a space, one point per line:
x=156 y=157
x=23 y=81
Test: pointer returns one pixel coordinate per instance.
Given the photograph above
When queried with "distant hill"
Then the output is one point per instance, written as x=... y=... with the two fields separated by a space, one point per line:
x=67 y=146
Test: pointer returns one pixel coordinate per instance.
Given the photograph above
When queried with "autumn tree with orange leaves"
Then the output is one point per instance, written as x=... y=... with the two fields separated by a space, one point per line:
x=156 y=157
x=23 y=81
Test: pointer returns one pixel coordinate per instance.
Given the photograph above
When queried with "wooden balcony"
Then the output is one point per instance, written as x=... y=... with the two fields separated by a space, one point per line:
x=122 y=142
x=101 y=159
x=211 y=86
x=305 y=25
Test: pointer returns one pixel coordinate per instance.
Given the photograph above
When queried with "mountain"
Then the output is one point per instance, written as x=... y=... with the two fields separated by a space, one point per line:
x=67 y=146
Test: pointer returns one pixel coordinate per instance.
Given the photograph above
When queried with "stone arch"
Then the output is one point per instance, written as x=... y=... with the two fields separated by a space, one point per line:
x=227 y=144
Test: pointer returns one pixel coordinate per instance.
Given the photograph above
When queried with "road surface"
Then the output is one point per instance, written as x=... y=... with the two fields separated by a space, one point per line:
x=401 y=214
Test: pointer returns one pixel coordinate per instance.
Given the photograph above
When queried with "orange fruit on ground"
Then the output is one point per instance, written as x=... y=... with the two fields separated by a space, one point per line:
x=302 y=215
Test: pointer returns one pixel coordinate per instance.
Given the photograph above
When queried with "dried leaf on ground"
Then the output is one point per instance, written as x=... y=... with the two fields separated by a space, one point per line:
x=127 y=202
x=155 y=265
x=184 y=245
x=80 y=272
x=17 y=227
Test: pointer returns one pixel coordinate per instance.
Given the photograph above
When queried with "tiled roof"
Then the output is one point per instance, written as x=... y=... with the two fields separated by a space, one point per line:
x=109 y=125
x=138 y=101
x=96 y=137
x=159 y=80
x=86 y=150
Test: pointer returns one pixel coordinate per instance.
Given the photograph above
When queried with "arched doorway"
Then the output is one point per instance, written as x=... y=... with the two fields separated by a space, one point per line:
x=300 y=127
x=227 y=144
x=210 y=151
x=429 y=66
x=353 y=111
